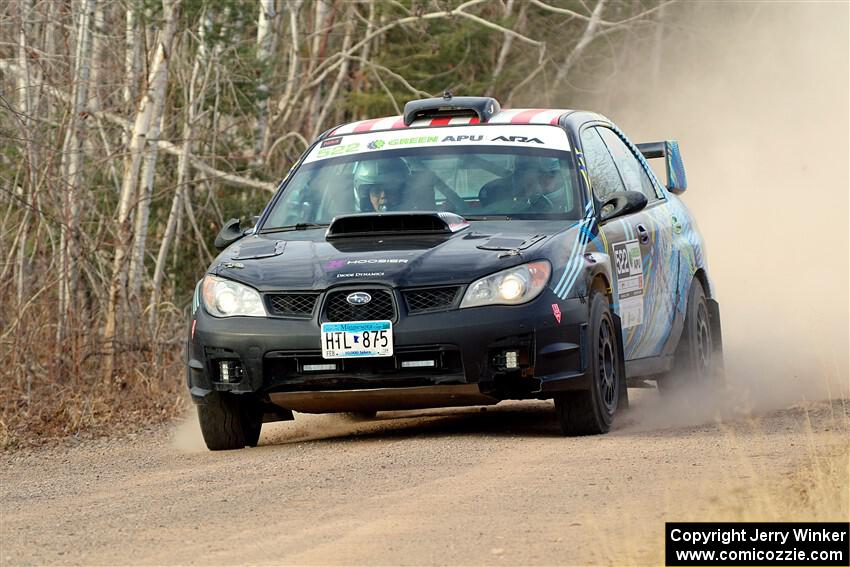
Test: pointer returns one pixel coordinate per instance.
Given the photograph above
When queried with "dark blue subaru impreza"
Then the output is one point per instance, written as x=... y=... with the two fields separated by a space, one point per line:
x=459 y=254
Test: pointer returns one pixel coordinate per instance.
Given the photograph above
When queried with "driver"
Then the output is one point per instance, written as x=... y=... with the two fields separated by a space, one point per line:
x=379 y=184
x=535 y=185
x=550 y=179
x=538 y=179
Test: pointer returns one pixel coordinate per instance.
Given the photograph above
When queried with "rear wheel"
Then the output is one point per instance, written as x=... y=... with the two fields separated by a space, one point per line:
x=590 y=412
x=230 y=421
x=698 y=360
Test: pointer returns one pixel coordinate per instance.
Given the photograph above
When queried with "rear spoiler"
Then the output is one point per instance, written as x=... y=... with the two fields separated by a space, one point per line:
x=677 y=182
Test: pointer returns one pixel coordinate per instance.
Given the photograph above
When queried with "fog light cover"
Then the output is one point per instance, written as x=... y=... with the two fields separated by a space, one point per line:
x=320 y=368
x=230 y=371
x=418 y=363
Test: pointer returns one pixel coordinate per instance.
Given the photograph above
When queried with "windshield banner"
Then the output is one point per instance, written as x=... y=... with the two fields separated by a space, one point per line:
x=539 y=136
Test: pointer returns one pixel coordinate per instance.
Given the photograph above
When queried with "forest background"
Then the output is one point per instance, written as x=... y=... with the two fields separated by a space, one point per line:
x=131 y=129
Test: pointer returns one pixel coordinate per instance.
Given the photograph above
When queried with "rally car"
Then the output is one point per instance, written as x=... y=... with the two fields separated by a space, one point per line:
x=459 y=254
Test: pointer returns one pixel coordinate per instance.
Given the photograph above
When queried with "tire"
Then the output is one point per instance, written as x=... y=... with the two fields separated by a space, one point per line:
x=229 y=421
x=591 y=412
x=698 y=359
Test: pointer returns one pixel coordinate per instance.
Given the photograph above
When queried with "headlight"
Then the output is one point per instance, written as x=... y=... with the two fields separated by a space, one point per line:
x=513 y=286
x=226 y=298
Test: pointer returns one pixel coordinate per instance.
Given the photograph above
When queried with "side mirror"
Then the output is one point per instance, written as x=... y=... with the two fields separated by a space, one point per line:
x=621 y=203
x=229 y=233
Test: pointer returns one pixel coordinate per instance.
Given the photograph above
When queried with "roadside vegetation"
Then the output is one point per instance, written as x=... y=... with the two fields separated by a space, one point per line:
x=131 y=129
x=815 y=489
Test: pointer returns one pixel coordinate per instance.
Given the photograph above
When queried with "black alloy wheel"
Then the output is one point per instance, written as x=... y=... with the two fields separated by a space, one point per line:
x=591 y=411
x=607 y=366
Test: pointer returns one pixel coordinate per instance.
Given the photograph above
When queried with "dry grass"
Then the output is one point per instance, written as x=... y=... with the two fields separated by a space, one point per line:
x=817 y=490
x=48 y=392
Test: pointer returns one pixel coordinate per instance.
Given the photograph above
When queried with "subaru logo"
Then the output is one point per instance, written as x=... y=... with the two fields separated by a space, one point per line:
x=358 y=298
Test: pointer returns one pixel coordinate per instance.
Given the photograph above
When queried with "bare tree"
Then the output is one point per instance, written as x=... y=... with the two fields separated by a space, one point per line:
x=266 y=43
x=72 y=167
x=145 y=118
x=506 y=45
x=132 y=53
x=183 y=169
x=130 y=129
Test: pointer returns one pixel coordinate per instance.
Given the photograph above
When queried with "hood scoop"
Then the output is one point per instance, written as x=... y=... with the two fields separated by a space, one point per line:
x=388 y=224
x=255 y=247
x=499 y=242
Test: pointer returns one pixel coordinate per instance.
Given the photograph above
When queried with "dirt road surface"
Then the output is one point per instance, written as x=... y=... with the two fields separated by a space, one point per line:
x=461 y=486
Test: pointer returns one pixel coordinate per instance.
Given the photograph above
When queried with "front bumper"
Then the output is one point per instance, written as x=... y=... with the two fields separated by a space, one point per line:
x=271 y=356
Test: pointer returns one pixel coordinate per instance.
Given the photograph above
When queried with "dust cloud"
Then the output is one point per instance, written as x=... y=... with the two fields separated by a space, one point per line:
x=757 y=95
x=186 y=435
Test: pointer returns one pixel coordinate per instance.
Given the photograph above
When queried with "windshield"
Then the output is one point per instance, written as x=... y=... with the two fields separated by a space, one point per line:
x=512 y=177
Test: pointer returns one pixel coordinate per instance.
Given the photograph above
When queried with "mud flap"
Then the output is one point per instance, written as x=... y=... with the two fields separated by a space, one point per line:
x=623 y=400
x=716 y=333
x=717 y=338
x=273 y=412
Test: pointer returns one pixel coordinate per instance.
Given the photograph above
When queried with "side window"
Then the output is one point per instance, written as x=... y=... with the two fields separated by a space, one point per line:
x=634 y=176
x=603 y=173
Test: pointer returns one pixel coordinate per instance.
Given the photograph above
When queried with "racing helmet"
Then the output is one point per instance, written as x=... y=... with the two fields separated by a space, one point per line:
x=549 y=164
x=535 y=175
x=389 y=175
x=535 y=164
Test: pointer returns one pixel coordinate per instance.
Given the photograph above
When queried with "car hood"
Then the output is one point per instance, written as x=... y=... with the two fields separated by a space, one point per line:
x=305 y=260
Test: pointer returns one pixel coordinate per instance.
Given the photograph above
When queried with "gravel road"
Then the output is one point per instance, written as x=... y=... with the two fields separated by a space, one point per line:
x=460 y=486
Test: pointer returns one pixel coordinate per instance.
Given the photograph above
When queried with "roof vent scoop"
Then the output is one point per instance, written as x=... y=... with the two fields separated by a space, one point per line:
x=448 y=106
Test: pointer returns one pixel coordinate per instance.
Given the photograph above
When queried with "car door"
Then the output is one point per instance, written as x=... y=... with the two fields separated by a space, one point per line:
x=639 y=244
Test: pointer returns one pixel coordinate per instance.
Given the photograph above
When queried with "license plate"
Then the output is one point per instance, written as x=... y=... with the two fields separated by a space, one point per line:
x=357 y=339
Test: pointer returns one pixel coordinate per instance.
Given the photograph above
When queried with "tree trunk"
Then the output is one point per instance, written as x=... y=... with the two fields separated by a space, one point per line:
x=72 y=171
x=284 y=105
x=25 y=107
x=328 y=101
x=266 y=41
x=506 y=47
x=573 y=57
x=131 y=60
x=183 y=170
x=157 y=80
x=143 y=205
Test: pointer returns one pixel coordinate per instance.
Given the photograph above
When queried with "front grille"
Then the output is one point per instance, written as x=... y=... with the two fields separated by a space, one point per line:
x=431 y=299
x=380 y=308
x=292 y=304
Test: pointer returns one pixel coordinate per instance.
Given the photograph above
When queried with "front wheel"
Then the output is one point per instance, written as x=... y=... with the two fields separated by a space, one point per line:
x=229 y=421
x=591 y=411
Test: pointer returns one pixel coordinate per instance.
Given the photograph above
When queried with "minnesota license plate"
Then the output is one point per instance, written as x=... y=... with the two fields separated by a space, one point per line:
x=357 y=339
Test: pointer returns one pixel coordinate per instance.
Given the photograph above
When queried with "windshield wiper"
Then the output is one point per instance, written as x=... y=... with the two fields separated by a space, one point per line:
x=299 y=226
